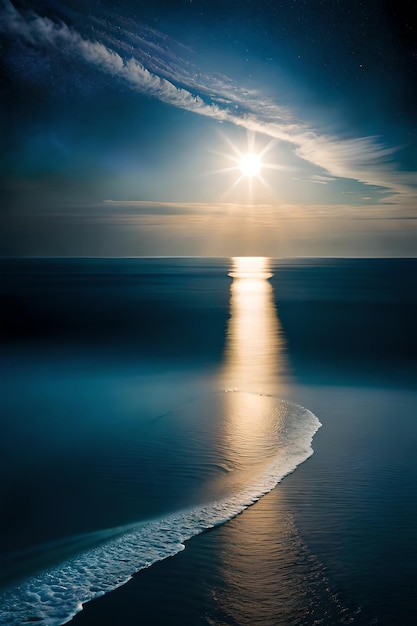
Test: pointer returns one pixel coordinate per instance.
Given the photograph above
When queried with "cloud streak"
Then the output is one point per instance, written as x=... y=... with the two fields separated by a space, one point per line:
x=274 y=212
x=362 y=159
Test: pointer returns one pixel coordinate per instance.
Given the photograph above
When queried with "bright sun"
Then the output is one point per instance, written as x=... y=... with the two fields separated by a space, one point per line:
x=250 y=164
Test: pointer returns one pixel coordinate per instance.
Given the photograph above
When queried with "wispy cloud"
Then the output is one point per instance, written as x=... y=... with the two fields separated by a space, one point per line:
x=42 y=31
x=318 y=179
x=362 y=159
x=274 y=212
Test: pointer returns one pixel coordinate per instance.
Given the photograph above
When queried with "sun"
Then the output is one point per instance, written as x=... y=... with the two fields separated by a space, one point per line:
x=250 y=164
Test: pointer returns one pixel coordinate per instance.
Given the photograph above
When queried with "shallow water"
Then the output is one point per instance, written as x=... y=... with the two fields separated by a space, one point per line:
x=334 y=543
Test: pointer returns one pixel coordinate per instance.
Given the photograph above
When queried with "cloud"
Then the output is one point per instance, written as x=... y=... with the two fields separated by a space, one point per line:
x=117 y=228
x=42 y=31
x=174 y=82
x=317 y=179
x=135 y=209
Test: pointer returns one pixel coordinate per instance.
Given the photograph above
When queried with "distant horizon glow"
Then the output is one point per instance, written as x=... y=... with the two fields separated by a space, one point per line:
x=202 y=229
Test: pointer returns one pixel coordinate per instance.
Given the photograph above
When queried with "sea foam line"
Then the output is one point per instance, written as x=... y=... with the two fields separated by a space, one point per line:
x=53 y=597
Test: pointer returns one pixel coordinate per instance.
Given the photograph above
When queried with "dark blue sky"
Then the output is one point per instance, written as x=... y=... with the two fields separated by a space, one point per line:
x=150 y=104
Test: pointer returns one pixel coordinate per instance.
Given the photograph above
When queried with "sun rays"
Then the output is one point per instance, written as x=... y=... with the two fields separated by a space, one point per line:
x=248 y=163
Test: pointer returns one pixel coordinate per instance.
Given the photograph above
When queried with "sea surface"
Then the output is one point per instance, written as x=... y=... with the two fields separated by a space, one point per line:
x=204 y=441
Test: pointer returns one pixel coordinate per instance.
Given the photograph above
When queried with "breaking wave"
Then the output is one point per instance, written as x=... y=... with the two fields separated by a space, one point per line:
x=52 y=597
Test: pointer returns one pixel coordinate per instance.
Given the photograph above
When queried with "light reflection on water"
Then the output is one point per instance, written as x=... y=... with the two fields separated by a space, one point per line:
x=254 y=356
x=254 y=359
x=260 y=554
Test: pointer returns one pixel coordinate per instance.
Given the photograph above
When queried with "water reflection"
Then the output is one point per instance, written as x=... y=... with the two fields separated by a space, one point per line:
x=254 y=358
x=253 y=371
x=268 y=575
x=255 y=368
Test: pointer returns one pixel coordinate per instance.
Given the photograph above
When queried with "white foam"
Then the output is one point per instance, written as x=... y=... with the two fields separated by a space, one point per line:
x=53 y=597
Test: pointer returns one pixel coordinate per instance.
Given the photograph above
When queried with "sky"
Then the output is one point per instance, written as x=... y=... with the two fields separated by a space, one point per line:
x=124 y=127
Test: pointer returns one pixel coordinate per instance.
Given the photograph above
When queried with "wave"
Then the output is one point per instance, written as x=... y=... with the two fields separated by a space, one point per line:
x=53 y=597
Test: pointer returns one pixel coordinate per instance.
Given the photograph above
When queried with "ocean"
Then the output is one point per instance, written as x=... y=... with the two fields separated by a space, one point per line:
x=208 y=441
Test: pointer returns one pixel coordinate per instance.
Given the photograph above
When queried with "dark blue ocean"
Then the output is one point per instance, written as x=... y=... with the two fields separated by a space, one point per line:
x=260 y=413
